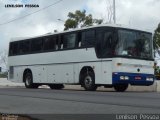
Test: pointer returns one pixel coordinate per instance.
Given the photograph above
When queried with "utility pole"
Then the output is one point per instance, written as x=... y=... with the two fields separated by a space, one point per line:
x=114 y=11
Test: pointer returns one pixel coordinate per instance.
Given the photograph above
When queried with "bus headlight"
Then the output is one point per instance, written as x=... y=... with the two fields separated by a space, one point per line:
x=149 y=79
x=124 y=78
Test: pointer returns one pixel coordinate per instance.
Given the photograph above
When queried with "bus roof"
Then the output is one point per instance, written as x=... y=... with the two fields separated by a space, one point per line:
x=77 y=29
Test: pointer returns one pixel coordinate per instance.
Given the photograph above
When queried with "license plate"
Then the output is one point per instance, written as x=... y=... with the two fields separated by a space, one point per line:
x=137 y=78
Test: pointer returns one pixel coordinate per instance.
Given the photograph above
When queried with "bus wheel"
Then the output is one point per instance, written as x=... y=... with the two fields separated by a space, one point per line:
x=121 y=87
x=29 y=81
x=56 y=86
x=89 y=81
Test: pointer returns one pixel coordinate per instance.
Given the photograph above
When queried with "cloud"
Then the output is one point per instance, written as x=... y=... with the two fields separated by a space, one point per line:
x=139 y=13
x=143 y=14
x=37 y=24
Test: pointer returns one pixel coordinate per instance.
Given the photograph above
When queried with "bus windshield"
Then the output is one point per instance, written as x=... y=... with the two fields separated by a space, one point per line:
x=134 y=44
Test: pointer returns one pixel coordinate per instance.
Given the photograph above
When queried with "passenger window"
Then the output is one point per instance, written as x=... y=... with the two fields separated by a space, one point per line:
x=88 y=38
x=69 y=41
x=107 y=40
x=107 y=44
x=60 y=42
x=24 y=47
x=36 y=45
x=104 y=43
x=13 y=50
x=79 y=39
x=50 y=43
x=99 y=39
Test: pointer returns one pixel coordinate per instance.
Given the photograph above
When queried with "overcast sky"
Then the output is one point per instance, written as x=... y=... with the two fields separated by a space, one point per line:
x=143 y=14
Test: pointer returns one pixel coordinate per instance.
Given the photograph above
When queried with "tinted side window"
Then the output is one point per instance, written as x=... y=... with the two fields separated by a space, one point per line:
x=88 y=38
x=50 y=43
x=36 y=45
x=99 y=39
x=24 y=47
x=105 y=42
x=79 y=39
x=10 y=49
x=13 y=48
x=69 y=41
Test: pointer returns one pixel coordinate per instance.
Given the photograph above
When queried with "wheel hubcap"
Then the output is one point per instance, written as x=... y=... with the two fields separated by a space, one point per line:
x=88 y=81
x=28 y=80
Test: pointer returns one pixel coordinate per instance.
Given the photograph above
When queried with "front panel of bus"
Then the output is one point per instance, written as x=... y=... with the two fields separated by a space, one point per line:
x=134 y=63
x=131 y=52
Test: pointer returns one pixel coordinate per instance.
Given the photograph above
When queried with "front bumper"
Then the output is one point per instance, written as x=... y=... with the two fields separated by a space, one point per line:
x=133 y=78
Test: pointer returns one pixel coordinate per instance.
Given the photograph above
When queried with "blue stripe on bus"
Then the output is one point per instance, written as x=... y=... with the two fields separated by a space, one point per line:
x=132 y=78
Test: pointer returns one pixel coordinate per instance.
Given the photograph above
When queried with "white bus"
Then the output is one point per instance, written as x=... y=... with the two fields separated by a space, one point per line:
x=104 y=55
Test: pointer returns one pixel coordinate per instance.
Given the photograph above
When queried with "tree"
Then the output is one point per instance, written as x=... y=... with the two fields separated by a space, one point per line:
x=156 y=36
x=80 y=19
x=156 y=39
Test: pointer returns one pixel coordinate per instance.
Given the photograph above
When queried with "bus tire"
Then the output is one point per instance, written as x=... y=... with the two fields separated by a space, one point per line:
x=120 y=87
x=89 y=81
x=56 y=86
x=35 y=86
x=28 y=81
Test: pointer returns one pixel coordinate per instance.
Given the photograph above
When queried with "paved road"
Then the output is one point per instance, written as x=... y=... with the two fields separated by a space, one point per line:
x=46 y=101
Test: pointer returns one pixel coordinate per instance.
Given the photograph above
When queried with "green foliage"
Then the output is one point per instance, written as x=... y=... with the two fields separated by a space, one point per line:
x=3 y=75
x=156 y=36
x=80 y=19
x=157 y=72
